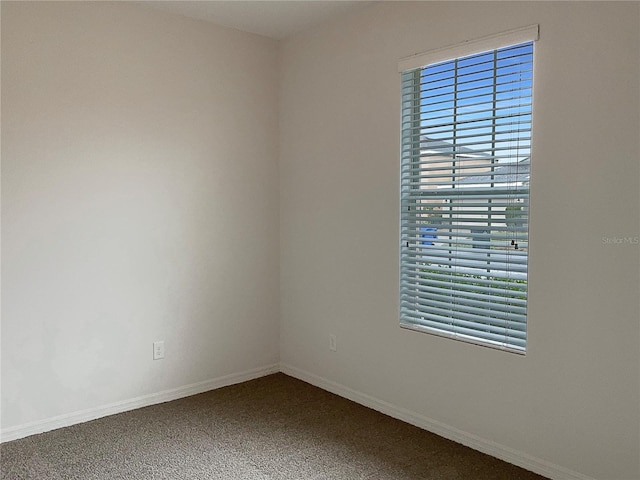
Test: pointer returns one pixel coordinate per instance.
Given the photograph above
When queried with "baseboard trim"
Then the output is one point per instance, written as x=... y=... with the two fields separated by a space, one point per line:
x=515 y=457
x=510 y=455
x=41 y=426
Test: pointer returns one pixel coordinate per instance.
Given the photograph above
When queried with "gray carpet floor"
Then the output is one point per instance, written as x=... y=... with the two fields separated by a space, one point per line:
x=275 y=427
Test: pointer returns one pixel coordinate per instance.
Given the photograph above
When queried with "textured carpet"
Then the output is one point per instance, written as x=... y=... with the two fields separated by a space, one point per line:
x=274 y=427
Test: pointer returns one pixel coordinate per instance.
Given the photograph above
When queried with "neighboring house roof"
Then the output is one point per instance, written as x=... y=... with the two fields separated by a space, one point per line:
x=435 y=145
x=502 y=173
x=511 y=173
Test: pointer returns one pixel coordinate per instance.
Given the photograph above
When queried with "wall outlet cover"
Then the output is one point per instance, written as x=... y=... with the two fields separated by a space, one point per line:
x=158 y=350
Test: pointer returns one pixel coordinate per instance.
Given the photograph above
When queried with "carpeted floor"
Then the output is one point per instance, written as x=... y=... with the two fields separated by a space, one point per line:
x=274 y=427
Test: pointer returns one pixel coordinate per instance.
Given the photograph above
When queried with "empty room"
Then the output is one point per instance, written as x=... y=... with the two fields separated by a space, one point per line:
x=320 y=240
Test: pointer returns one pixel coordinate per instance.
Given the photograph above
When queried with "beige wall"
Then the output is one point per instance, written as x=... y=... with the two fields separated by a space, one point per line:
x=139 y=203
x=573 y=400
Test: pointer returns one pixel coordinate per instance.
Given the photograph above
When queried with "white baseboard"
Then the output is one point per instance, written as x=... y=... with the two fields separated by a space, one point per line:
x=494 y=449
x=41 y=426
x=515 y=457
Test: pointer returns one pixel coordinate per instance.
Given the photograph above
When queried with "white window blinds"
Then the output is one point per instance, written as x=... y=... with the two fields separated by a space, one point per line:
x=466 y=151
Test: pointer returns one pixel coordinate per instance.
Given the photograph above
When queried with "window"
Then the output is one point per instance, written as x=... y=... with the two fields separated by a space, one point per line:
x=465 y=175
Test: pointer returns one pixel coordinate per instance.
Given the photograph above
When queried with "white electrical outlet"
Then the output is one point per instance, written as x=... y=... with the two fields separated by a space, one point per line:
x=332 y=343
x=158 y=350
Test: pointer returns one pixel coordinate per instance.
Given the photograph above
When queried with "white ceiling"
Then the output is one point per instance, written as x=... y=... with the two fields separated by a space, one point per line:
x=275 y=19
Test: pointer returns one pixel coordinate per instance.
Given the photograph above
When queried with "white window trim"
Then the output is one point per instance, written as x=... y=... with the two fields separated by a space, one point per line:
x=470 y=47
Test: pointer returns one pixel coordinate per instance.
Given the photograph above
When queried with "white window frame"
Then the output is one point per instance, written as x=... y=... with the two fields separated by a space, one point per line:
x=418 y=298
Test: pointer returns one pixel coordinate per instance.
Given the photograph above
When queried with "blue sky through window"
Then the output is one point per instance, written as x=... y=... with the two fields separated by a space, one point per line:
x=461 y=99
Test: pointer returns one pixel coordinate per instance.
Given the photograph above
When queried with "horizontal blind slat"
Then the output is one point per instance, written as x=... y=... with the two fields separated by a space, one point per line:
x=494 y=313
x=498 y=301
x=509 y=337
